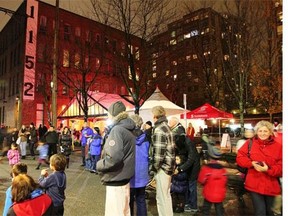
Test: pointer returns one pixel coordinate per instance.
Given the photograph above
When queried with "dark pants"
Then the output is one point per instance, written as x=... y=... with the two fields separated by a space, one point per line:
x=58 y=210
x=94 y=159
x=52 y=149
x=262 y=204
x=31 y=148
x=138 y=194
x=207 y=206
x=83 y=154
x=191 y=194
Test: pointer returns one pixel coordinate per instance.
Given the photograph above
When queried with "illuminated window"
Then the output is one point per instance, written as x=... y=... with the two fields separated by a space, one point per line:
x=154 y=68
x=173 y=42
x=173 y=34
x=194 y=56
x=226 y=57
x=174 y=63
x=154 y=75
x=66 y=58
x=189 y=74
x=77 y=60
x=194 y=33
x=175 y=77
x=167 y=72
x=188 y=58
x=97 y=63
x=188 y=35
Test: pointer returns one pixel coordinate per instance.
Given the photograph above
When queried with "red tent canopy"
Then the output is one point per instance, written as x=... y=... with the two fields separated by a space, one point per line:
x=206 y=111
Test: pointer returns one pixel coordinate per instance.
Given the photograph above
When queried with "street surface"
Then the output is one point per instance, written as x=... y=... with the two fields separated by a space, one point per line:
x=85 y=195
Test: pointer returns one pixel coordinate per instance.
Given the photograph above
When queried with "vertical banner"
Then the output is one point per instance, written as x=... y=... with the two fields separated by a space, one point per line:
x=30 y=50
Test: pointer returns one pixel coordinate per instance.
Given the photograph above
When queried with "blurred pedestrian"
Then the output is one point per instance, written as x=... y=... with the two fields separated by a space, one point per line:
x=86 y=134
x=179 y=185
x=55 y=183
x=95 y=149
x=117 y=164
x=43 y=153
x=163 y=160
x=66 y=144
x=33 y=139
x=23 y=138
x=51 y=138
x=141 y=177
x=213 y=177
x=264 y=163
x=13 y=155
x=190 y=131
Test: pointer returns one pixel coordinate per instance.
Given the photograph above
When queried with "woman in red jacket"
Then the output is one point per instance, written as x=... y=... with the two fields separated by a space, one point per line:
x=264 y=163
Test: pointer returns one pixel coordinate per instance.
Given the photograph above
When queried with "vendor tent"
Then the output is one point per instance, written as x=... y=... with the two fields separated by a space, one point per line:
x=207 y=111
x=158 y=99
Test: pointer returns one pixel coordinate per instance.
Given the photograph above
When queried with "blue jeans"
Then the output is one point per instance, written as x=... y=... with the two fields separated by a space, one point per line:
x=191 y=194
x=138 y=194
x=94 y=159
x=262 y=204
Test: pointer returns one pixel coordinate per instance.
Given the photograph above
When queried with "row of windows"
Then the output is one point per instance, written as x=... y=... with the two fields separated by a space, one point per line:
x=88 y=35
x=15 y=60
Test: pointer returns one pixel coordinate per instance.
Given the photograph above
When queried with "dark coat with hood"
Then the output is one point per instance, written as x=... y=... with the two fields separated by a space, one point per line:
x=117 y=163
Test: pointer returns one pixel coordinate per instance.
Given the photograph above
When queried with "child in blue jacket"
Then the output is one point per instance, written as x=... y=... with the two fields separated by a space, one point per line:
x=95 y=149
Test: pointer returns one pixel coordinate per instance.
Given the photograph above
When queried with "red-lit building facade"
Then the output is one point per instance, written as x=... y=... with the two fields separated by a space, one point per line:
x=89 y=55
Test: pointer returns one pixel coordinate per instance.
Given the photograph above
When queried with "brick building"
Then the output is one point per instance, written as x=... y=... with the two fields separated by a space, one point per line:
x=90 y=55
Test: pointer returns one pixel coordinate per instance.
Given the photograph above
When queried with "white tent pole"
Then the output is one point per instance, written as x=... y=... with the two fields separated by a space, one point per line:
x=185 y=110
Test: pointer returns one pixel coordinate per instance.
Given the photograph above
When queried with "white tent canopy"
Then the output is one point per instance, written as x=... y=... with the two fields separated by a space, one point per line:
x=157 y=99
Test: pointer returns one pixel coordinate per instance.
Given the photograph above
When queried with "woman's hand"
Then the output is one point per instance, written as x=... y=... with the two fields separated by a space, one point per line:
x=260 y=166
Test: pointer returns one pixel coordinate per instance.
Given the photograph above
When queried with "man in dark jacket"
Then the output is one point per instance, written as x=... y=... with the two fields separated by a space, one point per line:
x=51 y=138
x=117 y=164
x=187 y=149
x=33 y=138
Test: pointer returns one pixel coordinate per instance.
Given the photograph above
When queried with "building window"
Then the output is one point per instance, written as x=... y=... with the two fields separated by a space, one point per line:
x=175 y=77
x=188 y=35
x=77 y=60
x=40 y=53
x=226 y=57
x=174 y=63
x=189 y=74
x=66 y=58
x=173 y=42
x=97 y=38
x=67 y=32
x=154 y=68
x=188 y=58
x=194 y=56
x=77 y=32
x=43 y=24
x=154 y=75
x=97 y=63
x=173 y=34
x=167 y=72
x=194 y=33
x=87 y=36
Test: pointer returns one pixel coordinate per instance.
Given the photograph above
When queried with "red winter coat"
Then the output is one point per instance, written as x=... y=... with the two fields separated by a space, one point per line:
x=39 y=206
x=213 y=177
x=268 y=151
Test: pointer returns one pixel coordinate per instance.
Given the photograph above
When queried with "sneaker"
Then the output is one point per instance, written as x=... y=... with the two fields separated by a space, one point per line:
x=187 y=208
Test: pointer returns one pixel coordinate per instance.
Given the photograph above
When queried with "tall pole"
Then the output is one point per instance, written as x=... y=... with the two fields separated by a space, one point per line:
x=55 y=67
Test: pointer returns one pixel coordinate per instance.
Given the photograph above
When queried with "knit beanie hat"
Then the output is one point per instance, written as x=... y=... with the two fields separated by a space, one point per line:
x=214 y=152
x=116 y=108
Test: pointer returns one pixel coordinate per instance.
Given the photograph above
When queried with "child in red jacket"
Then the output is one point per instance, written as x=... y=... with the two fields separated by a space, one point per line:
x=213 y=178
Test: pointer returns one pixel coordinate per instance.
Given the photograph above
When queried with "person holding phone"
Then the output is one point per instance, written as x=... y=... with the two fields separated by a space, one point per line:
x=264 y=163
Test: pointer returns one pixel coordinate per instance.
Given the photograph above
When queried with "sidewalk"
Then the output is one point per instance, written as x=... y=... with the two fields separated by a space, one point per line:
x=85 y=195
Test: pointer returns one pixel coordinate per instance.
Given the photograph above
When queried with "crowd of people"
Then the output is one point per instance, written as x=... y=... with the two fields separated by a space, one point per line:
x=131 y=153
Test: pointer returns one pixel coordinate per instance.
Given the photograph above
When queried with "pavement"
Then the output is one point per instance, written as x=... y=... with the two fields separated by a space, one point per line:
x=85 y=195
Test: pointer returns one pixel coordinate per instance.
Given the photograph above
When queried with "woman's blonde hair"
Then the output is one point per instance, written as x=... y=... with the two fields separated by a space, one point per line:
x=22 y=187
x=264 y=123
